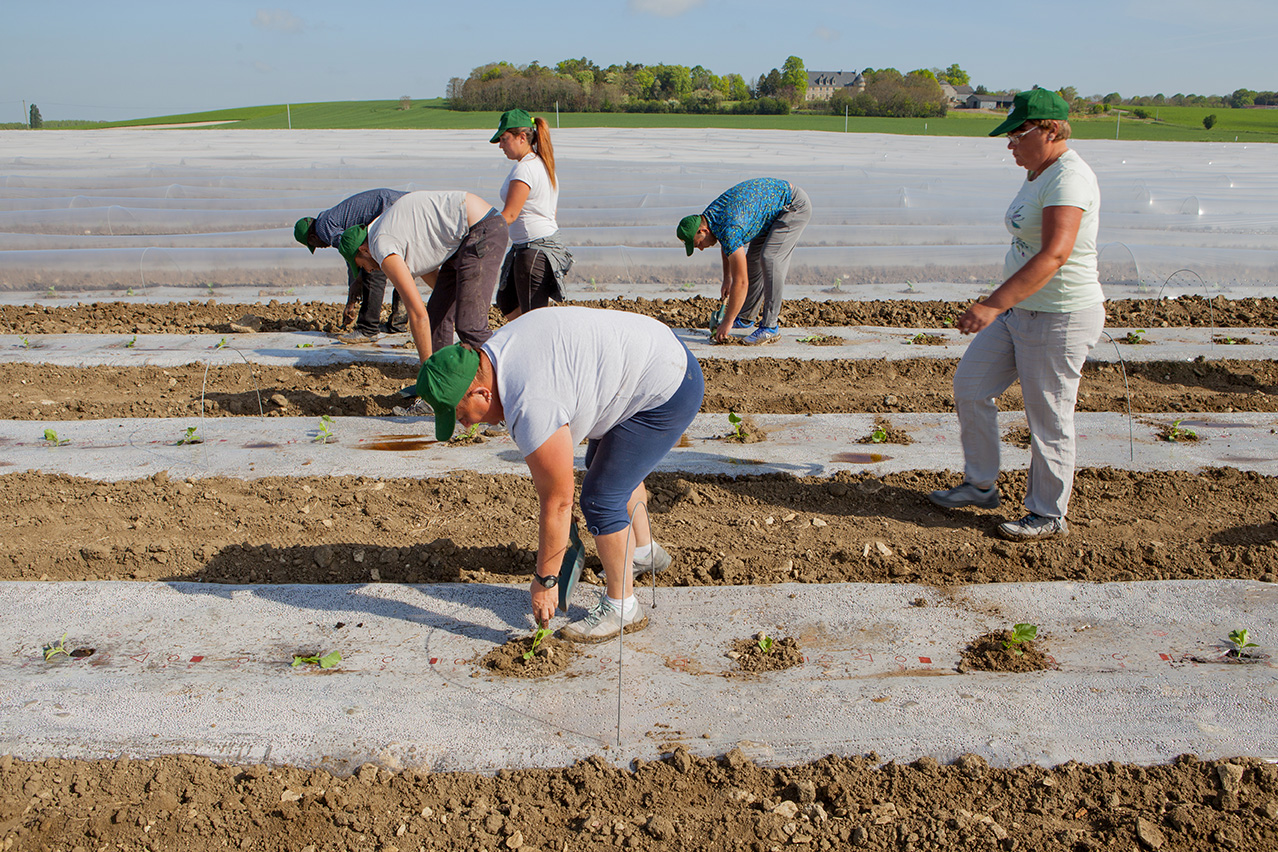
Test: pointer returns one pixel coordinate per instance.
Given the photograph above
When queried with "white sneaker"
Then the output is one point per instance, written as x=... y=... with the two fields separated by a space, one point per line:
x=656 y=563
x=1033 y=527
x=602 y=623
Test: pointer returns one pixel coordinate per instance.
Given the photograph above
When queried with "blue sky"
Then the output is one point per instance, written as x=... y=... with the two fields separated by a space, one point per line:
x=95 y=60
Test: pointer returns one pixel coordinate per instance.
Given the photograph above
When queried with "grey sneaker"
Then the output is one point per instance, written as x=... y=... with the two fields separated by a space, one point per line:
x=965 y=494
x=656 y=563
x=1034 y=527
x=420 y=408
x=762 y=335
x=602 y=623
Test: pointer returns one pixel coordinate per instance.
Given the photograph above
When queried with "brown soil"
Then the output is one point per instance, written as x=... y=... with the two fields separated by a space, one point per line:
x=680 y=802
x=1124 y=526
x=551 y=657
x=1018 y=436
x=209 y=317
x=988 y=653
x=928 y=340
x=823 y=340
x=759 y=386
x=750 y=657
x=891 y=434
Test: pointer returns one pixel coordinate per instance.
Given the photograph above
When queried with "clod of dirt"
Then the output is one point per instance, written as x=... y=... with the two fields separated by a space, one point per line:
x=1018 y=436
x=746 y=432
x=551 y=657
x=247 y=324
x=988 y=654
x=750 y=656
x=885 y=433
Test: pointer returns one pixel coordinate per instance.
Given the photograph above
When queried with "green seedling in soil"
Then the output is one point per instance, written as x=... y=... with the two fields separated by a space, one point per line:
x=735 y=420
x=812 y=338
x=26 y=344
x=210 y=288
x=1241 y=642
x=918 y=338
x=306 y=346
x=1021 y=633
x=1135 y=336
x=51 y=435
x=325 y=433
x=879 y=435
x=686 y=286
x=131 y=342
x=909 y=286
x=190 y=437
x=51 y=292
x=222 y=344
x=541 y=633
x=1176 y=432
x=51 y=650
x=128 y=292
x=327 y=661
x=765 y=643
x=948 y=322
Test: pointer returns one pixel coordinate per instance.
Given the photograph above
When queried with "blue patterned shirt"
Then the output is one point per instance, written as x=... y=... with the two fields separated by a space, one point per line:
x=746 y=211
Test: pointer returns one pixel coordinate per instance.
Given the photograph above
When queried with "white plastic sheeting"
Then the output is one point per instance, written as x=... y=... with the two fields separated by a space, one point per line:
x=105 y=211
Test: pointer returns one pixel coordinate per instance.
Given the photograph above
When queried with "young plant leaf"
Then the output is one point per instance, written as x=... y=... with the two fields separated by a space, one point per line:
x=765 y=643
x=540 y=634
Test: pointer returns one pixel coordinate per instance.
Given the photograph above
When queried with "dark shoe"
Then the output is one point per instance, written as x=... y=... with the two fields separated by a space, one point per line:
x=1034 y=527
x=966 y=494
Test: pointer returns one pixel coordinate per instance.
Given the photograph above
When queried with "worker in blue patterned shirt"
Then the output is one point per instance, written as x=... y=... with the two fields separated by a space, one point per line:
x=756 y=225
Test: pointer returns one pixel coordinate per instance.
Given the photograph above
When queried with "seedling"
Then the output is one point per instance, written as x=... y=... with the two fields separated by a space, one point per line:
x=327 y=661
x=306 y=346
x=812 y=338
x=1241 y=642
x=129 y=292
x=222 y=344
x=1021 y=633
x=325 y=433
x=51 y=292
x=948 y=322
x=765 y=643
x=1175 y=433
x=51 y=650
x=879 y=435
x=686 y=286
x=51 y=436
x=541 y=633
x=1135 y=336
x=131 y=342
x=210 y=287
x=735 y=420
x=190 y=437
x=26 y=344
x=919 y=338
x=909 y=286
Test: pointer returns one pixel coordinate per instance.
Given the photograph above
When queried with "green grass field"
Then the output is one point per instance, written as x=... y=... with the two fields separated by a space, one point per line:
x=1176 y=124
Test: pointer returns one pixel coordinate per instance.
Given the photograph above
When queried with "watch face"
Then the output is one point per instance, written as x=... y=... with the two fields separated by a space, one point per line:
x=547 y=582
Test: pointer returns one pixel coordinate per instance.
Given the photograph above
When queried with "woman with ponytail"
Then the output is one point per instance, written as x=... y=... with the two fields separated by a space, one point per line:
x=533 y=271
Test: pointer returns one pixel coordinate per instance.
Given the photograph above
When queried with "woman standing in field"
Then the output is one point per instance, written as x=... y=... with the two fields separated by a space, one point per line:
x=1038 y=326
x=532 y=273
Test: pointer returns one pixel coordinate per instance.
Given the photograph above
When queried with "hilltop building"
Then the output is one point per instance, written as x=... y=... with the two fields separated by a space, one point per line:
x=823 y=84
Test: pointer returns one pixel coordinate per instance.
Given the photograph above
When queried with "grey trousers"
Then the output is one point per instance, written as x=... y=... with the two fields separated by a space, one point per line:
x=1046 y=351
x=768 y=259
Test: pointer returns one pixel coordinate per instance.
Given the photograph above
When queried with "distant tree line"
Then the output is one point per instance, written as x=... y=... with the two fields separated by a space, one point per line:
x=580 y=85
x=888 y=92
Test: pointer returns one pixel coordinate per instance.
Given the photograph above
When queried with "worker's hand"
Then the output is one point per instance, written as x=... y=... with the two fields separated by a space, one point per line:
x=977 y=317
x=349 y=313
x=721 y=333
x=543 y=603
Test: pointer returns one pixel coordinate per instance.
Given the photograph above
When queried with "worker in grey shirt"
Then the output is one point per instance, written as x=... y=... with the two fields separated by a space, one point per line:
x=454 y=242
x=365 y=290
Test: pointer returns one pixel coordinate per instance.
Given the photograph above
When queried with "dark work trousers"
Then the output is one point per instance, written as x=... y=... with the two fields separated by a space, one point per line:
x=531 y=282
x=465 y=286
x=371 y=289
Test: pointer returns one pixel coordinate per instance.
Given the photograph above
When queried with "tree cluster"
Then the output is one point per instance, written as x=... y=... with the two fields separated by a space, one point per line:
x=36 y=120
x=579 y=85
x=888 y=92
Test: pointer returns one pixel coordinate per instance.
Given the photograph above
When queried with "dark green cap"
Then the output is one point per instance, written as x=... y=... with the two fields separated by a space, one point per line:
x=510 y=119
x=301 y=232
x=1036 y=103
x=687 y=230
x=442 y=382
x=348 y=245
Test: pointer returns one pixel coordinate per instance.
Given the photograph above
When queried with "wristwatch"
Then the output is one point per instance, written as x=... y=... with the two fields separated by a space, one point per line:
x=546 y=582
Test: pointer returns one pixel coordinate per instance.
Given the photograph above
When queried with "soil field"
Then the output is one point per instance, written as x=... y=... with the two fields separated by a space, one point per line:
x=210 y=317
x=1125 y=526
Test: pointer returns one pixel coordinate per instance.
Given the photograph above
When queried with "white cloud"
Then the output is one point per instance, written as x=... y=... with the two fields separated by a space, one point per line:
x=664 y=8
x=280 y=20
x=826 y=34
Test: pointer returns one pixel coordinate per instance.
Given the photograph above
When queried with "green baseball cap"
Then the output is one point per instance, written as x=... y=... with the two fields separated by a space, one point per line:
x=348 y=245
x=510 y=119
x=687 y=230
x=442 y=382
x=1036 y=103
x=301 y=232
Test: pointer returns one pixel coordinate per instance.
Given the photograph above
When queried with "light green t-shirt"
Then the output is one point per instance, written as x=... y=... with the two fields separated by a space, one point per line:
x=1068 y=182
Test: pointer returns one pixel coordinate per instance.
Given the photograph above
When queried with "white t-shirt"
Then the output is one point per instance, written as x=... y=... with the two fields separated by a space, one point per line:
x=1068 y=182
x=424 y=228
x=537 y=219
x=586 y=368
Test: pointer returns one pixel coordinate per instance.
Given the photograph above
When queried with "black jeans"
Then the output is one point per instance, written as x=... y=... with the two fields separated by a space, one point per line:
x=465 y=286
x=371 y=289
x=531 y=282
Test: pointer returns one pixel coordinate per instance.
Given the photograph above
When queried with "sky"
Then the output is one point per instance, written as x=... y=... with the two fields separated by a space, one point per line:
x=140 y=58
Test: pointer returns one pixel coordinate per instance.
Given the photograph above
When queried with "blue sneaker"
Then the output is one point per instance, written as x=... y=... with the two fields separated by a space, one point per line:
x=761 y=335
x=741 y=322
